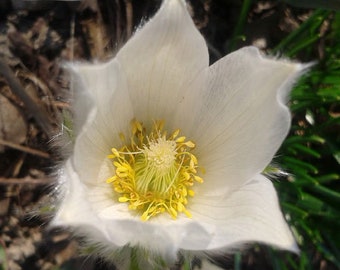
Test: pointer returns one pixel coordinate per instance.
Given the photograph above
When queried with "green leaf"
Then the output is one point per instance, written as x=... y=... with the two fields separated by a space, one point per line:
x=297 y=35
x=299 y=139
x=240 y=24
x=316 y=206
x=238 y=261
x=330 y=194
x=303 y=165
x=327 y=178
x=295 y=210
x=3 y=259
x=306 y=150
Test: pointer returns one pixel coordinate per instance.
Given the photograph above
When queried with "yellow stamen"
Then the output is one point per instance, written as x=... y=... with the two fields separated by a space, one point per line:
x=155 y=172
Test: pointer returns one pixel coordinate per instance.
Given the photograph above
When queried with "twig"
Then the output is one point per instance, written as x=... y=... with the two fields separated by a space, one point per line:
x=129 y=18
x=61 y=104
x=118 y=30
x=72 y=32
x=25 y=149
x=26 y=180
x=17 y=89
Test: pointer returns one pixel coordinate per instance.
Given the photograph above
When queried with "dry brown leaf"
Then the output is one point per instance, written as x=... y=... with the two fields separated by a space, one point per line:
x=13 y=126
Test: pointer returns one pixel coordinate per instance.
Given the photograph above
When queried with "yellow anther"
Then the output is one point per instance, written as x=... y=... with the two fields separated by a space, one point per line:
x=180 y=139
x=173 y=212
x=111 y=179
x=186 y=175
x=180 y=207
x=190 y=144
x=123 y=199
x=122 y=169
x=154 y=172
x=117 y=164
x=121 y=174
x=175 y=134
x=194 y=159
x=145 y=216
x=192 y=164
x=198 y=179
x=191 y=193
x=187 y=213
x=119 y=190
x=115 y=152
x=132 y=206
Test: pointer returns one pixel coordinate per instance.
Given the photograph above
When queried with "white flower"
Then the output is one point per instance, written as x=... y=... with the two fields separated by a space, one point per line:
x=156 y=195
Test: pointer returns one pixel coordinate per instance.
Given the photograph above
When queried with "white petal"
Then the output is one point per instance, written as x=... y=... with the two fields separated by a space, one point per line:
x=152 y=238
x=161 y=234
x=243 y=120
x=250 y=213
x=75 y=211
x=161 y=59
x=105 y=86
x=91 y=84
x=83 y=101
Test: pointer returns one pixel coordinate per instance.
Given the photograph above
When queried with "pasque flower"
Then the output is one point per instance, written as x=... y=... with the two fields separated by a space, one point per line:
x=169 y=151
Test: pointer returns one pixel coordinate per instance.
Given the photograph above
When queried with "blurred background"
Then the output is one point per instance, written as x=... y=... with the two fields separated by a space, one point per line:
x=36 y=37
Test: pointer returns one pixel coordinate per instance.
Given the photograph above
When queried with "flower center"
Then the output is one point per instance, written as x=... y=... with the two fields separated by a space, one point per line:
x=154 y=172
